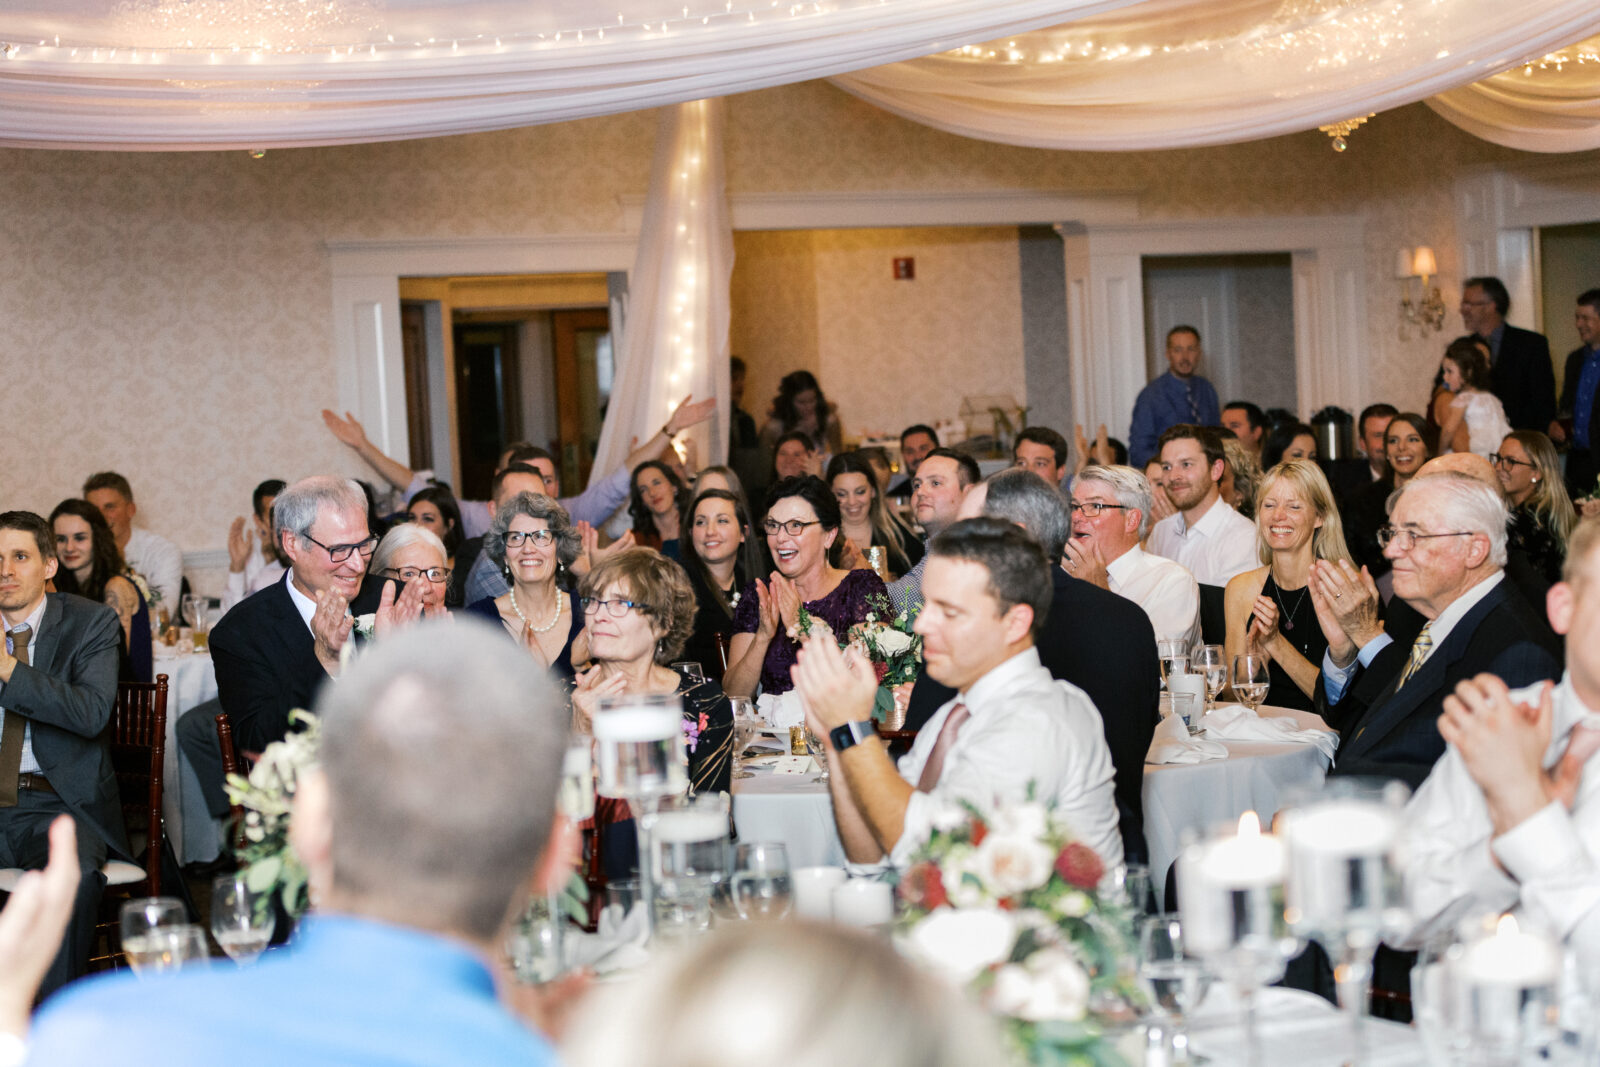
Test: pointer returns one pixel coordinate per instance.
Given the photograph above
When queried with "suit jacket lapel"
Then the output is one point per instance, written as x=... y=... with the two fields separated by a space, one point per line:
x=42 y=653
x=292 y=630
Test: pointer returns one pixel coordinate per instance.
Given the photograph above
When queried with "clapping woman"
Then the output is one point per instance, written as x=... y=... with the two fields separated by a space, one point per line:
x=532 y=541
x=91 y=566
x=864 y=519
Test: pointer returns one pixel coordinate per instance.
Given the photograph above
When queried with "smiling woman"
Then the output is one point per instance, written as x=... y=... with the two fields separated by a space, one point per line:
x=864 y=518
x=532 y=541
x=655 y=504
x=92 y=567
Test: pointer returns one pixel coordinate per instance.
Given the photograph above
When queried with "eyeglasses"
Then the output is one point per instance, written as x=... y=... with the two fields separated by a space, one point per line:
x=542 y=538
x=1506 y=461
x=794 y=527
x=615 y=608
x=1092 y=508
x=340 y=553
x=436 y=575
x=1406 y=540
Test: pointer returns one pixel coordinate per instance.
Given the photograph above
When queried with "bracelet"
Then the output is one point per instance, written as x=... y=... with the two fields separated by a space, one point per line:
x=666 y=430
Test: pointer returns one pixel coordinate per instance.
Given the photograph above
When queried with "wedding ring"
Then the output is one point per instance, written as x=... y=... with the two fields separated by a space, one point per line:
x=1336 y=596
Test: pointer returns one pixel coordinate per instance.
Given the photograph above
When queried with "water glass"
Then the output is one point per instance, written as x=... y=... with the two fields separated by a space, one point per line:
x=241 y=918
x=534 y=944
x=1174 y=653
x=1250 y=679
x=1211 y=662
x=197 y=609
x=762 y=887
x=1130 y=882
x=1175 y=981
x=641 y=752
x=688 y=863
x=141 y=921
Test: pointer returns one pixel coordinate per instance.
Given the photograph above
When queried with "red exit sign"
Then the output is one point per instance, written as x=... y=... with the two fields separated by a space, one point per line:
x=905 y=269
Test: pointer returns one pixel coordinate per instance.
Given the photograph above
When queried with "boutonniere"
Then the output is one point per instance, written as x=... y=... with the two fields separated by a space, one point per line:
x=364 y=625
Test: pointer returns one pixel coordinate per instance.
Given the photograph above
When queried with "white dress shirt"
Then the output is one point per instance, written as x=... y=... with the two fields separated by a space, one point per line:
x=1165 y=590
x=259 y=572
x=1219 y=546
x=158 y=562
x=29 y=764
x=306 y=606
x=1547 y=863
x=1025 y=727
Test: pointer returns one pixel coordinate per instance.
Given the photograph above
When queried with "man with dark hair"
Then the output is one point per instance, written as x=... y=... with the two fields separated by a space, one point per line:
x=916 y=441
x=156 y=559
x=1348 y=478
x=1208 y=537
x=58 y=682
x=1248 y=423
x=936 y=497
x=1100 y=642
x=1178 y=396
x=254 y=561
x=428 y=821
x=1520 y=371
x=1580 y=399
x=1043 y=451
x=1012 y=733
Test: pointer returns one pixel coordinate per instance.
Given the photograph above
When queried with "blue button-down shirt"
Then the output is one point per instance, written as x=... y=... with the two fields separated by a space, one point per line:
x=347 y=991
x=1164 y=403
x=1583 y=402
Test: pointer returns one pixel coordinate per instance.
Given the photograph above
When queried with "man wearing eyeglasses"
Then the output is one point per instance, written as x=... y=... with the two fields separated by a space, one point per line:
x=1110 y=516
x=1446 y=539
x=273 y=651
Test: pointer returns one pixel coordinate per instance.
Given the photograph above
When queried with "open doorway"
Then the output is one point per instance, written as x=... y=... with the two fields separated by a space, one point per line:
x=1569 y=264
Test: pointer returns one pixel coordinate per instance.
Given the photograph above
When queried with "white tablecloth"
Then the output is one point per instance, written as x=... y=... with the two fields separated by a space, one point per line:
x=791 y=809
x=1198 y=796
x=196 y=836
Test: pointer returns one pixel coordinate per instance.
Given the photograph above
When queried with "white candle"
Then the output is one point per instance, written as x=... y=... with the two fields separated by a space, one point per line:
x=1513 y=958
x=1344 y=828
x=690 y=827
x=637 y=724
x=812 y=891
x=1230 y=890
x=862 y=903
x=1248 y=860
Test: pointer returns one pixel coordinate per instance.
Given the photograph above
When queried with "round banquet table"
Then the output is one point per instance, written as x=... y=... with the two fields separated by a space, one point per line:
x=791 y=809
x=1184 y=797
x=195 y=835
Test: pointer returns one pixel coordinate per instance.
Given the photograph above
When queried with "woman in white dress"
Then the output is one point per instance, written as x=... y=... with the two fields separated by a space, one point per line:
x=1471 y=418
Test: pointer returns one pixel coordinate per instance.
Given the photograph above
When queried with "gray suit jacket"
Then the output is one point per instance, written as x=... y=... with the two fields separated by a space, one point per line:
x=67 y=695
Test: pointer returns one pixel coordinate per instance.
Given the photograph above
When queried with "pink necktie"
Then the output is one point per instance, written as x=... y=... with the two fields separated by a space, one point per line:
x=947 y=737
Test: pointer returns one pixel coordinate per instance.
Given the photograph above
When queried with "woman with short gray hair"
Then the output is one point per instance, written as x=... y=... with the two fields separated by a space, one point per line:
x=410 y=553
x=532 y=541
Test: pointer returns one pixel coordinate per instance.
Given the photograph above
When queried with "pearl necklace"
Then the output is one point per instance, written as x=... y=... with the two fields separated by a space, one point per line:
x=536 y=629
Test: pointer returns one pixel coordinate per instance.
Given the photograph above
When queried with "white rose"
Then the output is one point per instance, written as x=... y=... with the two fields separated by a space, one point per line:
x=1010 y=865
x=1074 y=904
x=893 y=642
x=960 y=943
x=1029 y=820
x=949 y=818
x=964 y=892
x=1050 y=984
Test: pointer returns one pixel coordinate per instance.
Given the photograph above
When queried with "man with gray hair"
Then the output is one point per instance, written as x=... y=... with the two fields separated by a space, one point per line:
x=1447 y=541
x=425 y=828
x=274 y=650
x=1110 y=517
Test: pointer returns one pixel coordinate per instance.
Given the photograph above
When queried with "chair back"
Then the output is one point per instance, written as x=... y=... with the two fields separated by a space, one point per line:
x=1213 y=620
x=230 y=762
x=722 y=654
x=138 y=751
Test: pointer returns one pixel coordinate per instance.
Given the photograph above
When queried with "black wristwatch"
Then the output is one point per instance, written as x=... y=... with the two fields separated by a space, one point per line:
x=852 y=734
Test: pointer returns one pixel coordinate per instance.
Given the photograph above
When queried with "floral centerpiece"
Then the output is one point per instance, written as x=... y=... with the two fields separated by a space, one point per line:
x=1009 y=906
x=270 y=865
x=886 y=639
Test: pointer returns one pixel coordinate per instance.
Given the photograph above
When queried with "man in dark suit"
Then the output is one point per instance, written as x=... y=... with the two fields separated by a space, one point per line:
x=1100 y=642
x=58 y=683
x=1580 y=399
x=273 y=651
x=1519 y=360
x=1447 y=542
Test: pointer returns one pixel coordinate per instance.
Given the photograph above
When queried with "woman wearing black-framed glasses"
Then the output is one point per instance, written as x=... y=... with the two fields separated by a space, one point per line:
x=1542 y=515
x=532 y=541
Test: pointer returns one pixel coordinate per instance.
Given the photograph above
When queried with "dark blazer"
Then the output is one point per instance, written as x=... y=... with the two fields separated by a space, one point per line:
x=1388 y=734
x=1105 y=645
x=67 y=695
x=1569 y=398
x=266 y=663
x=1524 y=379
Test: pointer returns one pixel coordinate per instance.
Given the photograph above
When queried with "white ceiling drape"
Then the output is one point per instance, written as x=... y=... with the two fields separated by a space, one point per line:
x=1542 y=109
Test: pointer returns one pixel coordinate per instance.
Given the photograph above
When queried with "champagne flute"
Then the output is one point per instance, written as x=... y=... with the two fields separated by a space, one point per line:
x=1211 y=661
x=241 y=918
x=1250 y=679
x=143 y=923
x=761 y=881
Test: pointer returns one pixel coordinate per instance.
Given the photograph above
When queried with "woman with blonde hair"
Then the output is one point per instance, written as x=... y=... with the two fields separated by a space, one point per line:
x=1542 y=515
x=864 y=518
x=1269 y=609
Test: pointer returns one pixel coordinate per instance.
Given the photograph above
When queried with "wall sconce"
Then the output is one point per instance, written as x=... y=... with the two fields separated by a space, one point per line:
x=1427 y=308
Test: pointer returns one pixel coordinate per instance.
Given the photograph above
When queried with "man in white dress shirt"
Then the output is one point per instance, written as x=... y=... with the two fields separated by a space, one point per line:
x=1508 y=818
x=1110 y=516
x=1210 y=539
x=156 y=559
x=1010 y=727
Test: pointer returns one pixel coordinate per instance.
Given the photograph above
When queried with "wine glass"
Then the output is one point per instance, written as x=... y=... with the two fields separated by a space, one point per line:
x=144 y=943
x=1250 y=679
x=1175 y=981
x=1174 y=653
x=761 y=882
x=1211 y=661
x=688 y=862
x=746 y=728
x=241 y=918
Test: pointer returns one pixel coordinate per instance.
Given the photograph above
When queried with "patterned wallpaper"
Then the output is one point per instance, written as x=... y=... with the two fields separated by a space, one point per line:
x=168 y=315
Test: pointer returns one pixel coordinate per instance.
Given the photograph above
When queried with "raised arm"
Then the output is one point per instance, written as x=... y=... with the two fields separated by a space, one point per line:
x=351 y=434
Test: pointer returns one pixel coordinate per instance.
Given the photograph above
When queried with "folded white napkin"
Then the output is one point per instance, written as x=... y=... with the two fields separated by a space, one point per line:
x=617 y=945
x=1172 y=744
x=1235 y=722
x=782 y=710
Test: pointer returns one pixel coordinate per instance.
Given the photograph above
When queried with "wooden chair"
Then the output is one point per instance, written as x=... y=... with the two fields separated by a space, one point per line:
x=898 y=741
x=230 y=763
x=722 y=654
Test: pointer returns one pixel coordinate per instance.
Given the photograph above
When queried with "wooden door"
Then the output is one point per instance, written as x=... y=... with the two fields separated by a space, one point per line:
x=419 y=413
x=488 y=406
x=584 y=369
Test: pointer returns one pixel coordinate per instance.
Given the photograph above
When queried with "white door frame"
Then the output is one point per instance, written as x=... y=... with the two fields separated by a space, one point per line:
x=1105 y=304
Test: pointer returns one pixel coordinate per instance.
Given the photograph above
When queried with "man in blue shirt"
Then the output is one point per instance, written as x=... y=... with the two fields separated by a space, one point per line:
x=425 y=829
x=1180 y=395
x=1580 y=388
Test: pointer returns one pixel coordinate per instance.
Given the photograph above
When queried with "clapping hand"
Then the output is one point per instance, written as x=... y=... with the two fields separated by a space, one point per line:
x=330 y=628
x=835 y=686
x=1083 y=559
x=1346 y=602
x=238 y=545
x=787 y=594
x=1263 y=625
x=396 y=612
x=590 y=553
x=591 y=686
x=767 y=617
x=32 y=925
x=851 y=558
x=1161 y=504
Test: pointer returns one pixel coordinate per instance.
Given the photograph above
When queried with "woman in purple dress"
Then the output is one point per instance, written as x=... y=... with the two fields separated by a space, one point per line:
x=802 y=531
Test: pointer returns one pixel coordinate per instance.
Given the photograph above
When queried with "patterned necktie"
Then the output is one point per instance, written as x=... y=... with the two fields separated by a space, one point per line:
x=1194 y=405
x=1419 y=652
x=11 y=734
x=941 y=747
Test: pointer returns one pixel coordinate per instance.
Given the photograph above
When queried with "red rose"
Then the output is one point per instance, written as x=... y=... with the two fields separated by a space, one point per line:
x=923 y=887
x=1080 y=865
x=980 y=830
x=881 y=670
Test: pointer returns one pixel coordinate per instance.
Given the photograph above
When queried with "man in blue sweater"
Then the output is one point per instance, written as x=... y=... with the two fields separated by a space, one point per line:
x=1180 y=395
